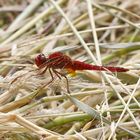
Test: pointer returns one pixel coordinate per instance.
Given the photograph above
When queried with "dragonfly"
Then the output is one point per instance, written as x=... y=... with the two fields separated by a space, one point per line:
x=59 y=60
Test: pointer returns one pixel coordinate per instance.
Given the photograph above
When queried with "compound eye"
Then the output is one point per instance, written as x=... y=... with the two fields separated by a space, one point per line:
x=40 y=59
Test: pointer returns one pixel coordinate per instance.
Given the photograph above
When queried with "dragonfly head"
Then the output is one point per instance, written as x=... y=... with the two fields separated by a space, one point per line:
x=40 y=59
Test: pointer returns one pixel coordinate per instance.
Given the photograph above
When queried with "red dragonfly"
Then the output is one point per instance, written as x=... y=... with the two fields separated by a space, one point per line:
x=59 y=60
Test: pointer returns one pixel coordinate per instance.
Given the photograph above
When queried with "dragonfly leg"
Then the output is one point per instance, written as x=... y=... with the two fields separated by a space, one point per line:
x=52 y=78
x=40 y=73
x=61 y=74
x=58 y=75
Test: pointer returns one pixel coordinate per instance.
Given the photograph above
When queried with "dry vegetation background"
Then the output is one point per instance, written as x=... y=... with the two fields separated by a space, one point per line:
x=102 y=105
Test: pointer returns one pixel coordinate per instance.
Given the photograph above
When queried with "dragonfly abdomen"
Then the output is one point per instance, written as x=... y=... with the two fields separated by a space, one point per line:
x=77 y=65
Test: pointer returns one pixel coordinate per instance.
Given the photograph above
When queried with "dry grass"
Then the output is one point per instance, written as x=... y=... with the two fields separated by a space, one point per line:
x=102 y=105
